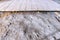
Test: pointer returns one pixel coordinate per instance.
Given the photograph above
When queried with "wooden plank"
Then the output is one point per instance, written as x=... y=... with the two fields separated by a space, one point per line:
x=5 y=5
x=29 y=5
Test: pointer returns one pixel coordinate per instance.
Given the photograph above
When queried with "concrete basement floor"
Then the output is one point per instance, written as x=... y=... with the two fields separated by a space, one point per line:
x=29 y=26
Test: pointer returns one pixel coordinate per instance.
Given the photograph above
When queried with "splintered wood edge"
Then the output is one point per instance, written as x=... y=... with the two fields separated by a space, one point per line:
x=7 y=13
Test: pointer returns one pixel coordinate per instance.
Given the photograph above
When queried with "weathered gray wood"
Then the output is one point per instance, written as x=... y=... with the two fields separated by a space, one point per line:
x=29 y=5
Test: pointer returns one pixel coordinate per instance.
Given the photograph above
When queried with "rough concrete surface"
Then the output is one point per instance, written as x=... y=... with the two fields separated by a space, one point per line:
x=30 y=26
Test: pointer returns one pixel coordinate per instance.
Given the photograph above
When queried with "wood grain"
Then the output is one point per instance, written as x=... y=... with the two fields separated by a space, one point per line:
x=29 y=5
